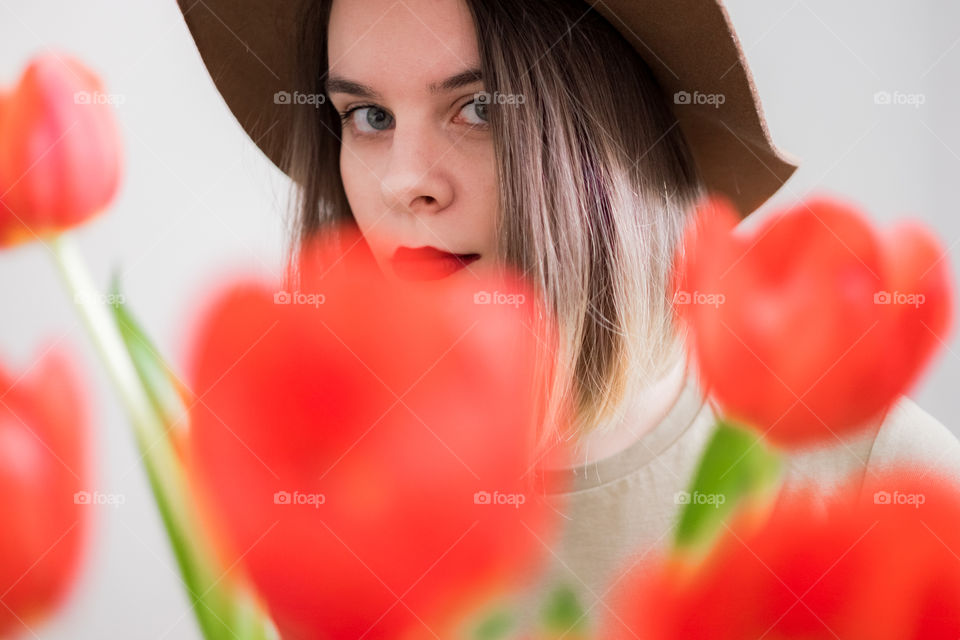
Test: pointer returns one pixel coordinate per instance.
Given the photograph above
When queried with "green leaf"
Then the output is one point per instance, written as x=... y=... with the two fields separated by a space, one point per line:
x=145 y=386
x=156 y=376
x=737 y=465
x=224 y=610
x=562 y=613
x=496 y=624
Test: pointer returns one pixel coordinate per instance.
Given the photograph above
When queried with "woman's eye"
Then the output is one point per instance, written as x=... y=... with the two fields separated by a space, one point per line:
x=367 y=119
x=370 y=119
x=479 y=109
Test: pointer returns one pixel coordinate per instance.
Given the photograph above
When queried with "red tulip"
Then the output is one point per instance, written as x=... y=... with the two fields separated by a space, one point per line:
x=60 y=154
x=44 y=439
x=883 y=566
x=814 y=323
x=365 y=448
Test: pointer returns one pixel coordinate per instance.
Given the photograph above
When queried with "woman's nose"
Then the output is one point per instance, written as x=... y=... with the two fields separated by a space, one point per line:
x=416 y=180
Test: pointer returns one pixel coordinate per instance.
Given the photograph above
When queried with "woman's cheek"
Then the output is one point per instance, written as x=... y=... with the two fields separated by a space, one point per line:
x=359 y=185
x=484 y=188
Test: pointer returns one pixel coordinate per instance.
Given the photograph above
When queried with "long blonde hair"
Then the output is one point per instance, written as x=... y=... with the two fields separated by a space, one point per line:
x=593 y=170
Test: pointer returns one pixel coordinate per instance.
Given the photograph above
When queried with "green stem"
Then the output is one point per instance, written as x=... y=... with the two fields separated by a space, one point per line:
x=218 y=607
x=737 y=465
x=106 y=338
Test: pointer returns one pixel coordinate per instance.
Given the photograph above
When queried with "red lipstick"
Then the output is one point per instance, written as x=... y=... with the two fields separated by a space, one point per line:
x=428 y=263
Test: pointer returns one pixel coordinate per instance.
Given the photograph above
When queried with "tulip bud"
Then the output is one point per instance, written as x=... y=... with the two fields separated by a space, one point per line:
x=44 y=496
x=60 y=153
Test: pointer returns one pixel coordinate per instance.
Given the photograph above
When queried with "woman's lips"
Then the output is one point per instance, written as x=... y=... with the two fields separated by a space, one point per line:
x=428 y=263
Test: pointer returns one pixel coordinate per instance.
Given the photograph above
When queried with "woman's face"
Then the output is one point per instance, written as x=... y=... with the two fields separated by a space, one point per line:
x=417 y=156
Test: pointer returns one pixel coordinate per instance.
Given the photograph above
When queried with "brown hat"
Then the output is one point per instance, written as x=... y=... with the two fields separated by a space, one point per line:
x=689 y=44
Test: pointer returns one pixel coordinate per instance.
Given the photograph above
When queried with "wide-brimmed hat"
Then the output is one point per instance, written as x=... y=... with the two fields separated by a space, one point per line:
x=691 y=46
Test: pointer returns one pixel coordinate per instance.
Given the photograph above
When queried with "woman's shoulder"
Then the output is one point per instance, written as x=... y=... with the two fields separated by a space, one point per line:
x=909 y=435
x=905 y=435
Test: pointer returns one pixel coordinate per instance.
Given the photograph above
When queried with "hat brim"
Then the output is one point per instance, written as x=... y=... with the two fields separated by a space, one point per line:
x=690 y=45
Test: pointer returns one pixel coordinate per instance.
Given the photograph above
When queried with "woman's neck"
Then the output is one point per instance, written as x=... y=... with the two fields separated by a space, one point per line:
x=645 y=410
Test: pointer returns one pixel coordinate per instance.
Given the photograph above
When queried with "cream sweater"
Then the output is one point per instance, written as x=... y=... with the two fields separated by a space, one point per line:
x=623 y=507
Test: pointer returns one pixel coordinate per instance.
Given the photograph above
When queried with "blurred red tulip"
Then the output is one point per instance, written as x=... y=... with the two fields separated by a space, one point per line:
x=885 y=566
x=60 y=155
x=812 y=324
x=44 y=444
x=365 y=448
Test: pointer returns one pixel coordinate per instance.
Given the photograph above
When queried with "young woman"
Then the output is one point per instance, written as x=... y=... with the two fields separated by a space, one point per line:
x=568 y=141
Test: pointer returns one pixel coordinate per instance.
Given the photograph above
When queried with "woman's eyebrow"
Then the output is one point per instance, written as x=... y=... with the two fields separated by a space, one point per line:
x=337 y=84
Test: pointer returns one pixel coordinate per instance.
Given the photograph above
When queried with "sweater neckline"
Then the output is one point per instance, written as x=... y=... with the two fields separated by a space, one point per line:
x=676 y=422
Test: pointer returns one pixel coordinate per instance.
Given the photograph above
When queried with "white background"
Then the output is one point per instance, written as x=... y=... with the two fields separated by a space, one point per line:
x=198 y=198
